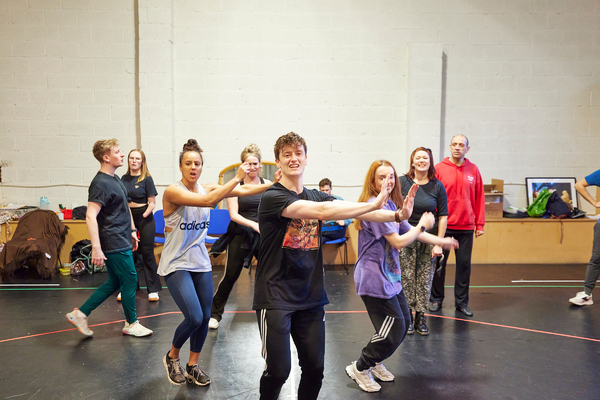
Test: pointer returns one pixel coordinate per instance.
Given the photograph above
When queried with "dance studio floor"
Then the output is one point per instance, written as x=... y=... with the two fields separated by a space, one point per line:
x=524 y=342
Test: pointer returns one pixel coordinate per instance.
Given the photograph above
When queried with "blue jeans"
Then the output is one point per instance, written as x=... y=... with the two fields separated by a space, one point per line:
x=192 y=292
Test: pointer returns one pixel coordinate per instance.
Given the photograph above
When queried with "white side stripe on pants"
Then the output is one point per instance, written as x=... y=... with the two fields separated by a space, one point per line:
x=263 y=333
x=388 y=322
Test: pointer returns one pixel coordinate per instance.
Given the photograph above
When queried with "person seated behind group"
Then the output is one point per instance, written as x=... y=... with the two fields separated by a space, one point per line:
x=333 y=230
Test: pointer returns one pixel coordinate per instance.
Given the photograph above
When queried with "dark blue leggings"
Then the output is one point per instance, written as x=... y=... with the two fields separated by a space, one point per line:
x=192 y=292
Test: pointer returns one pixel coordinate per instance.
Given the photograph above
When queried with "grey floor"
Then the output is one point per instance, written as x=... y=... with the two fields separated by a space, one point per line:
x=524 y=342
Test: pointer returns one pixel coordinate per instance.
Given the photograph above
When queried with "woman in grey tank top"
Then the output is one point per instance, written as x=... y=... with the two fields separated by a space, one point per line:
x=184 y=261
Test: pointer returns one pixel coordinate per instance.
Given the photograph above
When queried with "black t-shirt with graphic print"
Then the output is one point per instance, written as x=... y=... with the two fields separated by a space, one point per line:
x=289 y=275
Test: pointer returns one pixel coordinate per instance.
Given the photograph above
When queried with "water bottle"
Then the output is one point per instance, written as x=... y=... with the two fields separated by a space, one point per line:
x=44 y=203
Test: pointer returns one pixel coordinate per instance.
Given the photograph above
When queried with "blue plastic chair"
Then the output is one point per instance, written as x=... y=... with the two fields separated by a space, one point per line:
x=341 y=242
x=219 y=221
x=159 y=233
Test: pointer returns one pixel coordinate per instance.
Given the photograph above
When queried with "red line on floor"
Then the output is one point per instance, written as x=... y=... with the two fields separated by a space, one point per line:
x=327 y=312
x=514 y=327
x=74 y=329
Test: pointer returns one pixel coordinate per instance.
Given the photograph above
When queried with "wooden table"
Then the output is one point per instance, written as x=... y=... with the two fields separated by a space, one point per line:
x=515 y=241
x=506 y=241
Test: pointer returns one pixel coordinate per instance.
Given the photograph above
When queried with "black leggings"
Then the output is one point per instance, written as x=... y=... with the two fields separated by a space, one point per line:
x=236 y=253
x=146 y=230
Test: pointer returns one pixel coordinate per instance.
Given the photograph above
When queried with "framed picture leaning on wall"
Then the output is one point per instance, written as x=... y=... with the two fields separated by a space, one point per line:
x=564 y=186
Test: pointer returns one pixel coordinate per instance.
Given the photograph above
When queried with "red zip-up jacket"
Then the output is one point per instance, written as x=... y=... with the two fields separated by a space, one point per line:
x=464 y=188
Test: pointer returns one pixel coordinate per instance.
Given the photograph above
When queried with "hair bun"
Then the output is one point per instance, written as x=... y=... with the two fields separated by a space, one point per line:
x=192 y=145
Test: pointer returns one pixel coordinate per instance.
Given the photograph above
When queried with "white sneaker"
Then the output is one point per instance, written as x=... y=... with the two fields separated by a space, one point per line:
x=119 y=297
x=153 y=296
x=213 y=323
x=79 y=319
x=582 y=299
x=380 y=372
x=363 y=378
x=136 y=329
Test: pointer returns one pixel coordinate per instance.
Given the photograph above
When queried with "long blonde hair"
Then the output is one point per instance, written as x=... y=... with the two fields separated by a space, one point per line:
x=369 y=189
x=144 y=173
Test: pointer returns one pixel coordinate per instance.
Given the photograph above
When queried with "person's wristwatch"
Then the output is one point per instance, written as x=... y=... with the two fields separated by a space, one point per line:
x=423 y=229
x=134 y=230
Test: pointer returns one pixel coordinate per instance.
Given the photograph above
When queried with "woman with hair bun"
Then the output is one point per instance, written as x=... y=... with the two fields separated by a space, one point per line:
x=242 y=235
x=185 y=263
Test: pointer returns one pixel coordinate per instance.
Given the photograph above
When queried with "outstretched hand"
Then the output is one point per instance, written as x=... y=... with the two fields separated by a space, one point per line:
x=242 y=171
x=450 y=243
x=277 y=176
x=382 y=197
x=409 y=202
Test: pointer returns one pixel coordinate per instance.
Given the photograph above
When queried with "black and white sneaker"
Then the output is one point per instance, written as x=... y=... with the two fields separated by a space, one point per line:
x=195 y=375
x=174 y=370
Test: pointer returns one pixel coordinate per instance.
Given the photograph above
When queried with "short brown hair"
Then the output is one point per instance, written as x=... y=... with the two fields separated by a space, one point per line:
x=101 y=147
x=290 y=139
x=325 y=182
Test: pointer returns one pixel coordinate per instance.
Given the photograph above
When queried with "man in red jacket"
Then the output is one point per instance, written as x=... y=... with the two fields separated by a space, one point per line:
x=466 y=207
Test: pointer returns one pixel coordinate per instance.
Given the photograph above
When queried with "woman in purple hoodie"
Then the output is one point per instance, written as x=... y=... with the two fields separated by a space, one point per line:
x=377 y=274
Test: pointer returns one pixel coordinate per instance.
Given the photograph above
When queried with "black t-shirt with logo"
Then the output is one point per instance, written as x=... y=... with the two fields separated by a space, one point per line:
x=289 y=275
x=114 y=219
x=138 y=192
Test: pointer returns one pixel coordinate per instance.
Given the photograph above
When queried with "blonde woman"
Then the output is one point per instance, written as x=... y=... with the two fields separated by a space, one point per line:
x=141 y=194
x=242 y=235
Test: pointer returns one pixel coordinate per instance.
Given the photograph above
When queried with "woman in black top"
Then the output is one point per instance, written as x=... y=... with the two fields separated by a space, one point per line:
x=141 y=195
x=417 y=259
x=243 y=234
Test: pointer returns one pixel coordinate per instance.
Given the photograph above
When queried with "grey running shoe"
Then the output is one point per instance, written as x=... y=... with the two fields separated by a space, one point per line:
x=195 y=375
x=174 y=370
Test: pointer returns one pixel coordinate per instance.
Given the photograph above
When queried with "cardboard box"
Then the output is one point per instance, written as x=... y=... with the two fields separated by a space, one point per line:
x=494 y=199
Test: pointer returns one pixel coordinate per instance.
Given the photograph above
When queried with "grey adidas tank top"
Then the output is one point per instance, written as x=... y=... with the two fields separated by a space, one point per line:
x=184 y=246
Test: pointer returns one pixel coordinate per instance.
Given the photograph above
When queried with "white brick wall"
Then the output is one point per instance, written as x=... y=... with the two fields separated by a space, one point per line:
x=66 y=80
x=522 y=83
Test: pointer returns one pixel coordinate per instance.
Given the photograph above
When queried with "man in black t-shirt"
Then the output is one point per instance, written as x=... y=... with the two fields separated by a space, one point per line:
x=289 y=293
x=113 y=236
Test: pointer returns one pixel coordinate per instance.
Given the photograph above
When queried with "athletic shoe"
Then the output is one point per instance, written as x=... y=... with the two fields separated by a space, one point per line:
x=174 y=370
x=195 y=375
x=119 y=297
x=153 y=296
x=582 y=299
x=136 y=329
x=380 y=372
x=363 y=378
x=213 y=323
x=79 y=319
